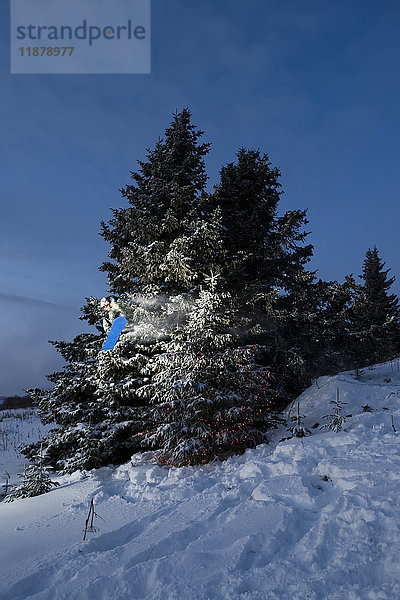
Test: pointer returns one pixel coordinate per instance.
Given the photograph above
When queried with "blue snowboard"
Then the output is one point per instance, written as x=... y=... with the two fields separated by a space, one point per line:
x=114 y=333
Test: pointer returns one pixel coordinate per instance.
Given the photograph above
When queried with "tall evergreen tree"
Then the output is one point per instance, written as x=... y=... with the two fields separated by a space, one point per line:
x=374 y=317
x=161 y=242
x=266 y=258
x=263 y=250
x=379 y=307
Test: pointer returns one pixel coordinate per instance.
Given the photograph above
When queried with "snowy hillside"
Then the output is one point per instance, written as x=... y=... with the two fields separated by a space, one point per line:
x=305 y=518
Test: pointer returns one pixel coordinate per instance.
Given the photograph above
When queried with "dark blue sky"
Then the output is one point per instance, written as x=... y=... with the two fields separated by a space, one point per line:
x=315 y=84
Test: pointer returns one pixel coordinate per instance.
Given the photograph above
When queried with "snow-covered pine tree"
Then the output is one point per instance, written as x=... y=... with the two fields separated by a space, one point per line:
x=335 y=420
x=211 y=397
x=93 y=401
x=68 y=404
x=35 y=480
x=162 y=242
x=298 y=429
x=374 y=316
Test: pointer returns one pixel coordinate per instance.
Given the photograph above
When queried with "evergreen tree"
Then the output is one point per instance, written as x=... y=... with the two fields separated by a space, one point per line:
x=210 y=398
x=94 y=401
x=262 y=250
x=379 y=307
x=328 y=349
x=35 y=480
x=68 y=403
x=335 y=419
x=265 y=263
x=161 y=242
x=374 y=316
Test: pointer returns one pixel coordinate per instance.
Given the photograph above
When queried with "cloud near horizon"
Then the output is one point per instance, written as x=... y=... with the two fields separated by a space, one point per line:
x=27 y=300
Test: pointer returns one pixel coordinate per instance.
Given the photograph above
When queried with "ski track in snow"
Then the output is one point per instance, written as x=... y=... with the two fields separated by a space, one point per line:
x=313 y=518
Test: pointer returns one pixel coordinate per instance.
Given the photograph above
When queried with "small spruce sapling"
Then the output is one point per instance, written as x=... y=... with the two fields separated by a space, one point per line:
x=298 y=430
x=335 y=420
x=35 y=480
x=358 y=373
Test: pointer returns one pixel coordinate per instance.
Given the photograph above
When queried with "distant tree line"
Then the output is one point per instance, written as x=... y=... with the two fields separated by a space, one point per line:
x=226 y=324
x=12 y=402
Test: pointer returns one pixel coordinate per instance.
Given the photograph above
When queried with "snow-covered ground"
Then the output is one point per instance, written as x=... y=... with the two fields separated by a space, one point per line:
x=304 y=518
x=17 y=427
